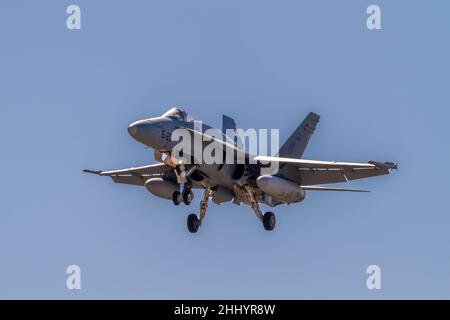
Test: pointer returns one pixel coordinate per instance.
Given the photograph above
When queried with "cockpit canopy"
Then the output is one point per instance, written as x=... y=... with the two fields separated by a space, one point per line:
x=178 y=114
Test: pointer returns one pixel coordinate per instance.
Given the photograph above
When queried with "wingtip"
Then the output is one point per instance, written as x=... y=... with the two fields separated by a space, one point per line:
x=392 y=165
x=313 y=114
x=388 y=165
x=97 y=172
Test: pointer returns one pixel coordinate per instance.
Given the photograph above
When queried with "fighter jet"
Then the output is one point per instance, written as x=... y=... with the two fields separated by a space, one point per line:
x=247 y=182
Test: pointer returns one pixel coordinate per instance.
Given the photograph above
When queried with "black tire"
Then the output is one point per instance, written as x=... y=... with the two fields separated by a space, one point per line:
x=176 y=198
x=188 y=195
x=193 y=223
x=269 y=221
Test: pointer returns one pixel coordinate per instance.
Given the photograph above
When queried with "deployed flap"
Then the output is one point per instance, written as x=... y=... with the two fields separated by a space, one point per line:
x=152 y=169
x=318 y=188
x=315 y=164
x=296 y=144
x=324 y=176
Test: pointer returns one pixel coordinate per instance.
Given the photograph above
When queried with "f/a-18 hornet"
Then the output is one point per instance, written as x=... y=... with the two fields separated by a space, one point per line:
x=249 y=181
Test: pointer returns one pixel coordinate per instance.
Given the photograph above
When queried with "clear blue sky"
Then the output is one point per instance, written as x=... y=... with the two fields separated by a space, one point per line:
x=67 y=98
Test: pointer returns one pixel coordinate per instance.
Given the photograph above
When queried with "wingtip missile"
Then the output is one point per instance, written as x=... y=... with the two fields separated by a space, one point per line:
x=98 y=172
x=387 y=165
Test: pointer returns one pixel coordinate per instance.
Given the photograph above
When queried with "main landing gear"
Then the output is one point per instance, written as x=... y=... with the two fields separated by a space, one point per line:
x=268 y=219
x=194 y=222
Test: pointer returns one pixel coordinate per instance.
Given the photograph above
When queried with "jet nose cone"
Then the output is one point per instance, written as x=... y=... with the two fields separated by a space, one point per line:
x=145 y=131
x=132 y=129
x=137 y=128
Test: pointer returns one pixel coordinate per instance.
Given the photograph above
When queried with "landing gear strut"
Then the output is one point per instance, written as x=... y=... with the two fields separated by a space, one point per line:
x=194 y=222
x=268 y=219
x=186 y=195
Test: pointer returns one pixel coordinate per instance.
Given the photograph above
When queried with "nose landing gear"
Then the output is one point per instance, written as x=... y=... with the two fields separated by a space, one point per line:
x=176 y=198
x=186 y=196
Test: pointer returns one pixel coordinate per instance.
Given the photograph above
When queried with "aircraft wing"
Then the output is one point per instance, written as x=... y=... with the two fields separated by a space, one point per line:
x=314 y=172
x=135 y=175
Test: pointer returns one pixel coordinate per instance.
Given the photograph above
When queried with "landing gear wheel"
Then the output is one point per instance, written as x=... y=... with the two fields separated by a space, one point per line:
x=193 y=223
x=269 y=221
x=176 y=198
x=188 y=195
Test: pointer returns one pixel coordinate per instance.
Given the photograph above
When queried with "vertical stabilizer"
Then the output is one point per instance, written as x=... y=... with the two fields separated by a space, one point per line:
x=228 y=124
x=296 y=144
